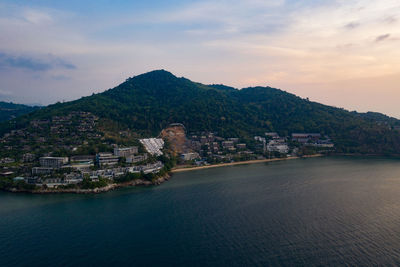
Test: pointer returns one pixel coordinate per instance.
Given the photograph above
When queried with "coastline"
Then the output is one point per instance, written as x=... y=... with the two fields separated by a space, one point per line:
x=141 y=182
x=184 y=169
x=110 y=187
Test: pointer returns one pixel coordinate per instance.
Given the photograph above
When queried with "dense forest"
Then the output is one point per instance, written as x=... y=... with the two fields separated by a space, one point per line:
x=149 y=102
x=9 y=110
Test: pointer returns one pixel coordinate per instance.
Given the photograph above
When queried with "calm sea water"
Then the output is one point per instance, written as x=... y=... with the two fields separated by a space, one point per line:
x=325 y=211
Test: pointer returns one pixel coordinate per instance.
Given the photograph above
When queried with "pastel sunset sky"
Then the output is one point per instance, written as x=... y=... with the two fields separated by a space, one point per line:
x=344 y=53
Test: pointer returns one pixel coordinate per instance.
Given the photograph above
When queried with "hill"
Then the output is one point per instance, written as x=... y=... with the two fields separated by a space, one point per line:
x=9 y=110
x=147 y=103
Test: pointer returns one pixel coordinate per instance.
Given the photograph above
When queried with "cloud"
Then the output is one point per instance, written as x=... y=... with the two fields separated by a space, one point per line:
x=390 y=20
x=240 y=43
x=34 y=64
x=382 y=37
x=352 y=25
x=5 y=93
x=36 y=17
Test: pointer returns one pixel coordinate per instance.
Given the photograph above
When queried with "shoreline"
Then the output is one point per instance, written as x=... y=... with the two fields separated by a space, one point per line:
x=141 y=182
x=184 y=169
x=98 y=190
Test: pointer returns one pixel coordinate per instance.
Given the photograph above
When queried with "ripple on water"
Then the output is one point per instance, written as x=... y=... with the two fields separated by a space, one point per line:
x=326 y=211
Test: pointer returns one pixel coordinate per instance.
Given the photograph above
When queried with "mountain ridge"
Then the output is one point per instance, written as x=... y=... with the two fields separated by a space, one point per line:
x=149 y=102
x=10 y=110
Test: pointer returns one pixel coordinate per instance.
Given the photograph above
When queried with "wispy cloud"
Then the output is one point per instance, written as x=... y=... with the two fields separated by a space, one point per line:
x=240 y=43
x=5 y=93
x=390 y=20
x=34 y=64
x=36 y=17
x=352 y=25
x=382 y=37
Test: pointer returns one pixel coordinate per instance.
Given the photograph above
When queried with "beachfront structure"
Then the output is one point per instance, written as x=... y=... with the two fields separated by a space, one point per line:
x=117 y=172
x=73 y=178
x=153 y=145
x=106 y=159
x=41 y=170
x=190 y=156
x=82 y=159
x=305 y=137
x=81 y=162
x=138 y=158
x=324 y=144
x=277 y=146
x=227 y=144
x=272 y=134
x=125 y=151
x=28 y=157
x=152 y=168
x=241 y=146
x=263 y=141
x=53 y=162
x=260 y=139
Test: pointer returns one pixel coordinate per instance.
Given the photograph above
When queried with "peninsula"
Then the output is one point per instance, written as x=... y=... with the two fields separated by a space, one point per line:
x=155 y=124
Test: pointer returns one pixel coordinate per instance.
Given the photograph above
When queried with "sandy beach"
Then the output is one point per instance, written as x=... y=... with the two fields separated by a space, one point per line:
x=184 y=169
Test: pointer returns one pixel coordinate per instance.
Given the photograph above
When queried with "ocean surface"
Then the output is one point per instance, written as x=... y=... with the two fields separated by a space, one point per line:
x=310 y=212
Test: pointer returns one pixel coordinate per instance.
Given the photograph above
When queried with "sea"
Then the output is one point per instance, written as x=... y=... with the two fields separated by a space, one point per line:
x=329 y=211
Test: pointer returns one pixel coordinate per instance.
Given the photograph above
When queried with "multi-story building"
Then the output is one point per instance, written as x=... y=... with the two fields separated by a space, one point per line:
x=241 y=146
x=82 y=159
x=41 y=170
x=272 y=134
x=53 y=162
x=104 y=159
x=277 y=146
x=28 y=157
x=82 y=162
x=73 y=178
x=227 y=144
x=125 y=151
x=190 y=156
x=305 y=137
x=138 y=158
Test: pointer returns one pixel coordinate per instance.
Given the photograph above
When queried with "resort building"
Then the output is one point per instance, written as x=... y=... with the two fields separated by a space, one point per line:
x=41 y=170
x=190 y=156
x=153 y=145
x=125 y=151
x=134 y=159
x=53 y=162
x=106 y=159
x=277 y=146
x=305 y=137
x=227 y=144
x=272 y=135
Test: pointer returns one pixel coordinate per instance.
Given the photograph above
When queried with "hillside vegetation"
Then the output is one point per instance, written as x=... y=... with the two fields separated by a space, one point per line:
x=10 y=110
x=149 y=102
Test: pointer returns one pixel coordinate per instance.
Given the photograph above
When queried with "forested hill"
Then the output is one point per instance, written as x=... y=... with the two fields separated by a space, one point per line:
x=9 y=110
x=149 y=102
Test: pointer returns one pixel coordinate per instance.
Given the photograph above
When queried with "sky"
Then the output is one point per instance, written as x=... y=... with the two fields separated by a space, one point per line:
x=343 y=53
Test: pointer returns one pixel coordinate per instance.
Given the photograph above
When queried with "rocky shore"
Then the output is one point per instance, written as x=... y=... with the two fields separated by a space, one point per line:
x=138 y=182
x=141 y=182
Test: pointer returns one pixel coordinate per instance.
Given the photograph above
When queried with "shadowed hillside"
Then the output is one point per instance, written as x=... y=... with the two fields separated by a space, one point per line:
x=149 y=102
x=10 y=110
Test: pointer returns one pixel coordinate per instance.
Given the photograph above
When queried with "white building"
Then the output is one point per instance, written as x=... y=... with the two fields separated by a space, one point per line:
x=190 y=156
x=153 y=145
x=277 y=146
